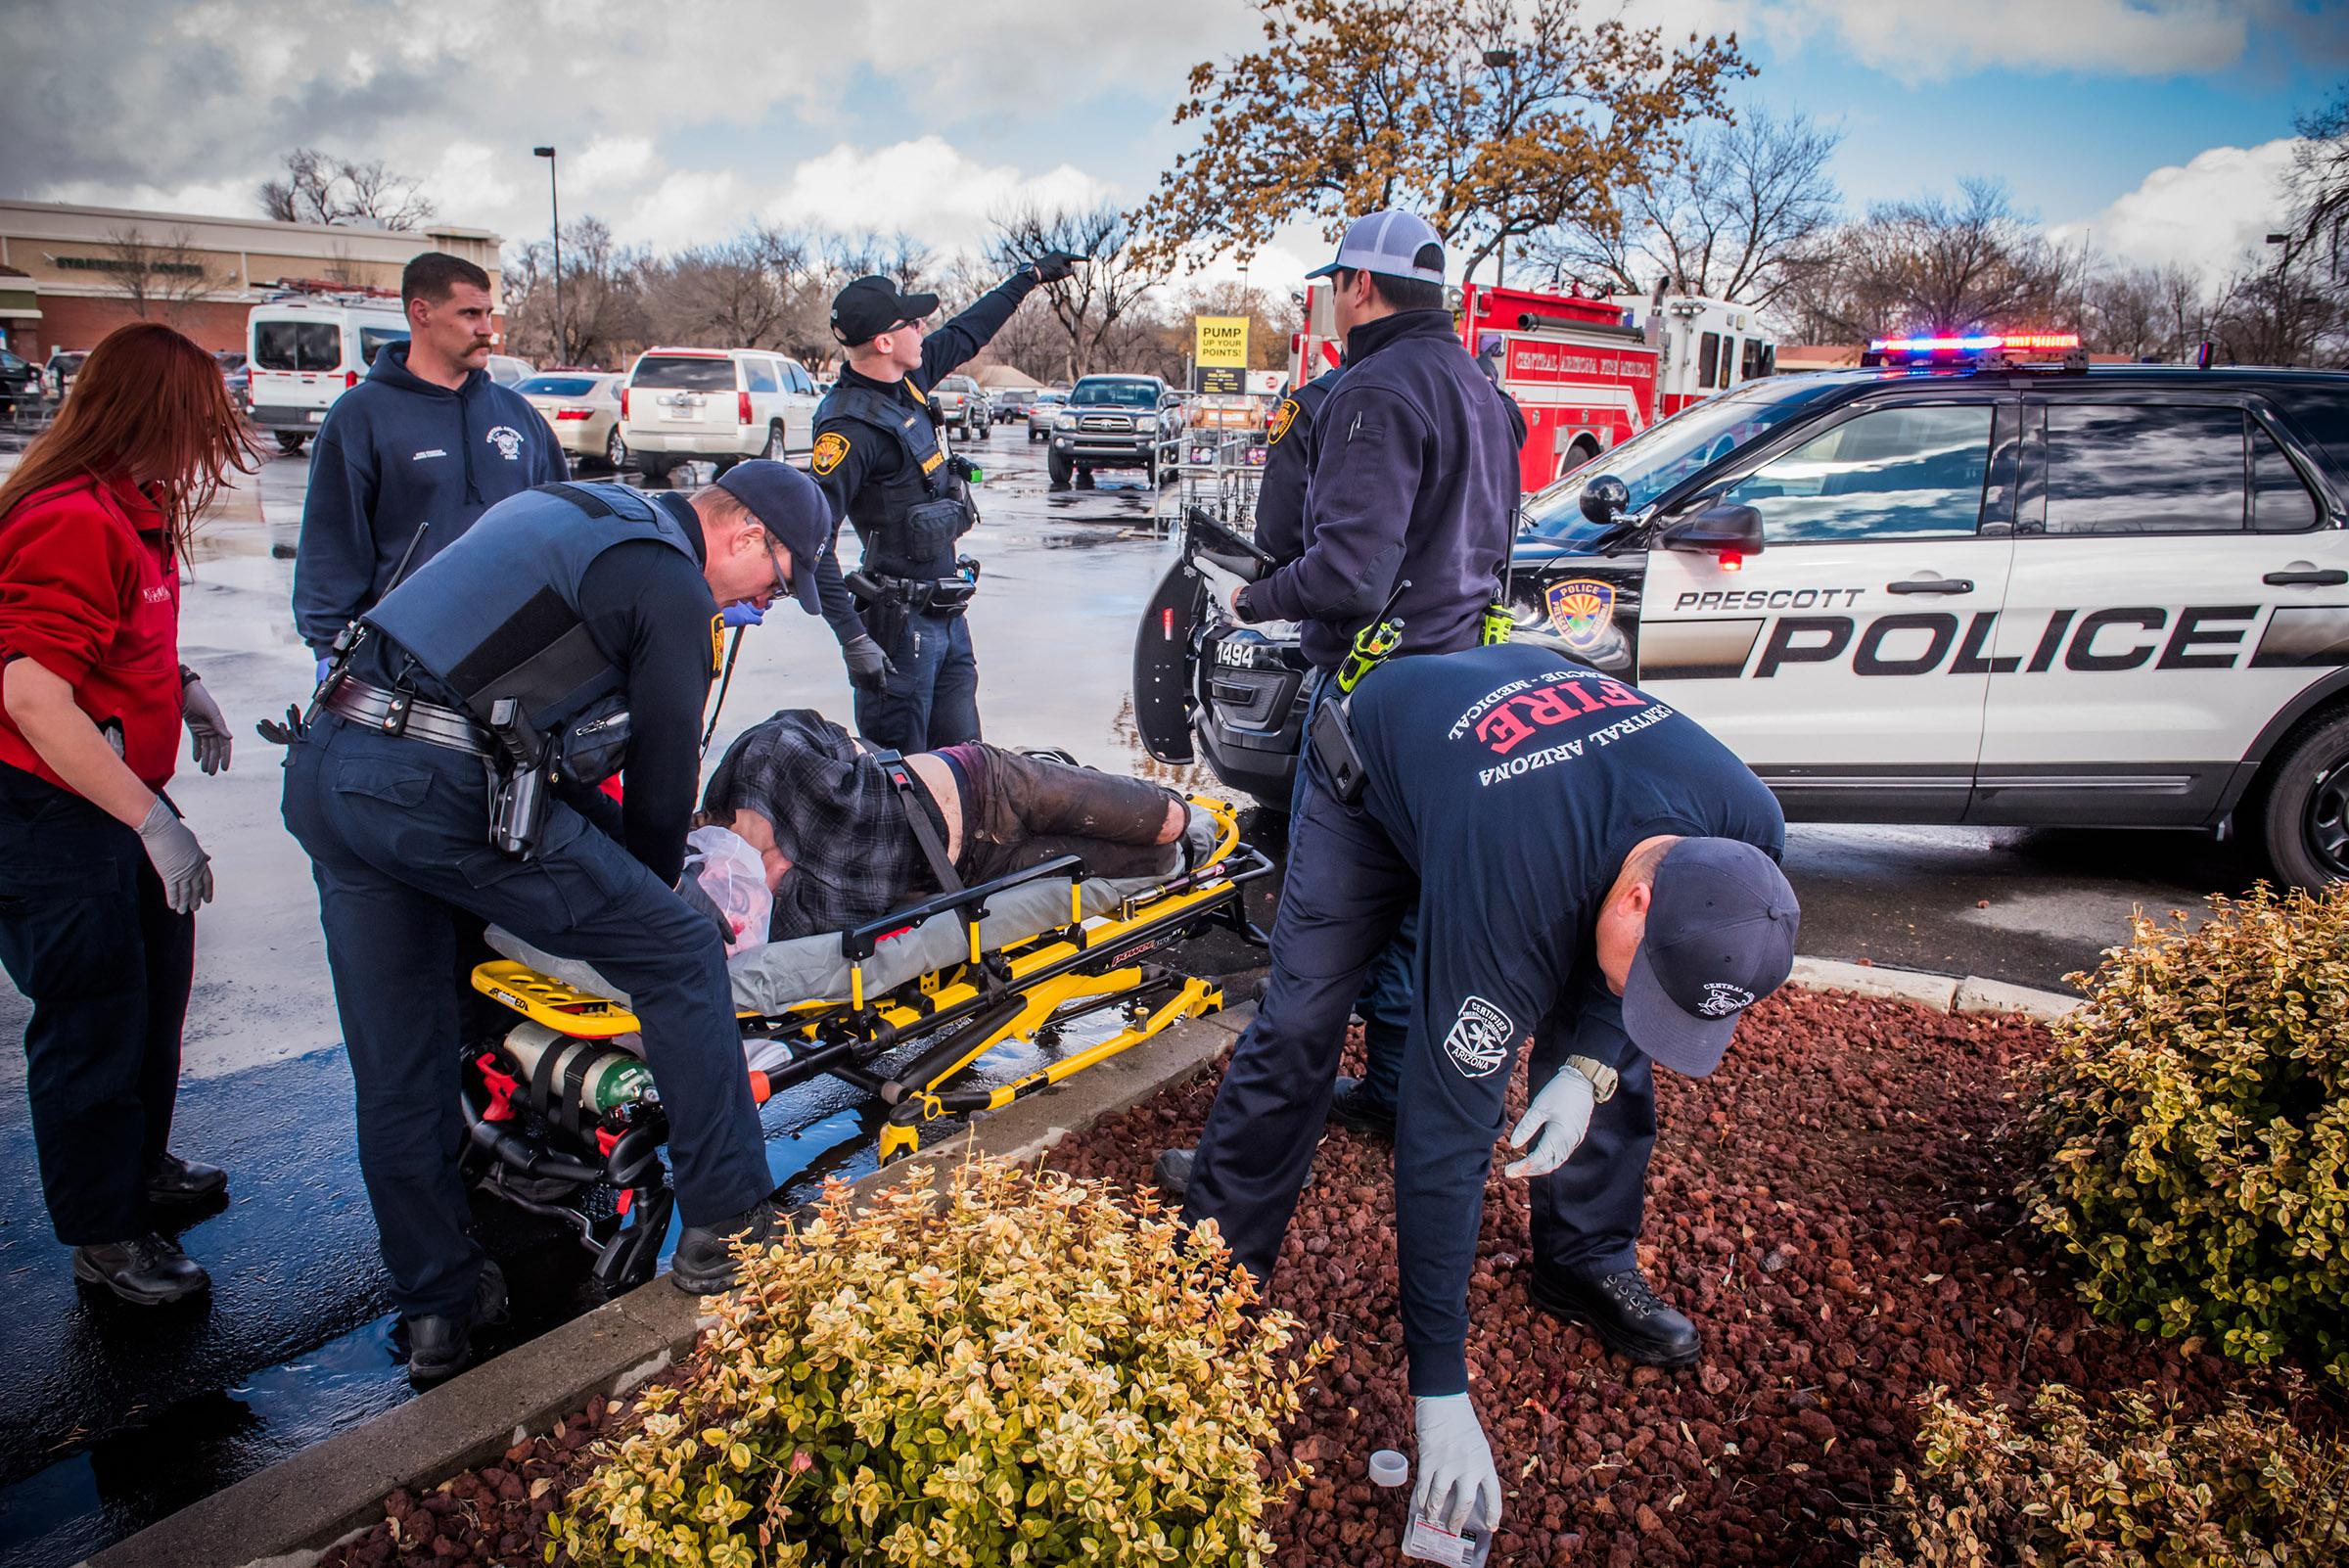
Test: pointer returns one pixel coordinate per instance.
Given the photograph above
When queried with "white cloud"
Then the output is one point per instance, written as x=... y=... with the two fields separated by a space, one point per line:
x=1937 y=39
x=2208 y=215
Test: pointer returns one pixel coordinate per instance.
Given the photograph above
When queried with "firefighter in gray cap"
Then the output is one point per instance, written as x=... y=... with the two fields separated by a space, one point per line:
x=900 y=618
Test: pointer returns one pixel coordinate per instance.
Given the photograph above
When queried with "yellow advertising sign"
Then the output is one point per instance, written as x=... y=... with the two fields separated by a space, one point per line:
x=1219 y=340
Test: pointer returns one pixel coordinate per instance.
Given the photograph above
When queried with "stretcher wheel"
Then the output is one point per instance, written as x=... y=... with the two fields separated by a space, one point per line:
x=899 y=1141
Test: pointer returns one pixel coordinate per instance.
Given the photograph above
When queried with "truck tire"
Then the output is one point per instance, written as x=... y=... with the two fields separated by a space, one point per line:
x=2303 y=804
x=1057 y=466
x=290 y=440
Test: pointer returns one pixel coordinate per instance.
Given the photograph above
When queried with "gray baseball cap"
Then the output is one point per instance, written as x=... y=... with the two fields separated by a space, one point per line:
x=1388 y=244
x=1721 y=922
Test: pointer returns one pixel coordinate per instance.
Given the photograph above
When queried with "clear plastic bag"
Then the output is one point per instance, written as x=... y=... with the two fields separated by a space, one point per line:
x=734 y=879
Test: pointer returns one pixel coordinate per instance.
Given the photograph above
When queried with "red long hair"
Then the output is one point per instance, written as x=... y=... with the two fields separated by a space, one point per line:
x=150 y=405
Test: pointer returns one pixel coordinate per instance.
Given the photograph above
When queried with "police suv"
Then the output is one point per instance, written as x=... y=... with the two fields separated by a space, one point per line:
x=1959 y=587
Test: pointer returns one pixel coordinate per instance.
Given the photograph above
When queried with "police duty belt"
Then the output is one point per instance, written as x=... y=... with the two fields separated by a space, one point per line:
x=399 y=713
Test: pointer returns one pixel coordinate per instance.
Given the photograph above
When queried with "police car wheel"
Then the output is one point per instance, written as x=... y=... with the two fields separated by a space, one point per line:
x=2305 y=806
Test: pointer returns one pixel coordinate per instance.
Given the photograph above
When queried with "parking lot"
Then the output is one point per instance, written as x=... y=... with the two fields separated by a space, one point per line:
x=295 y=1343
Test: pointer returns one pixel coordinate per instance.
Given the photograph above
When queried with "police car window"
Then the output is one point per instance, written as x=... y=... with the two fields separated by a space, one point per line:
x=1664 y=454
x=297 y=345
x=2145 y=469
x=759 y=376
x=1898 y=472
x=2280 y=499
x=2324 y=416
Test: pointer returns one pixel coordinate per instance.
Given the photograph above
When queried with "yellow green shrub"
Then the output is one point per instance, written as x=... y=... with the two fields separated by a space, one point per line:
x=2060 y=1485
x=1022 y=1367
x=2194 y=1128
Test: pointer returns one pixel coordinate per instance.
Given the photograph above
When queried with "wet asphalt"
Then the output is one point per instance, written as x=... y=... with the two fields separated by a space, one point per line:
x=111 y=1418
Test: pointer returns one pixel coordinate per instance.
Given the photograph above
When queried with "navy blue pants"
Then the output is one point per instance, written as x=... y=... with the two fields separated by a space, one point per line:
x=1344 y=895
x=398 y=835
x=933 y=700
x=87 y=937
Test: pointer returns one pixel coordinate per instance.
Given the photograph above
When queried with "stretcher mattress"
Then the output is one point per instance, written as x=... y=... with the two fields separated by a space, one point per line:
x=777 y=975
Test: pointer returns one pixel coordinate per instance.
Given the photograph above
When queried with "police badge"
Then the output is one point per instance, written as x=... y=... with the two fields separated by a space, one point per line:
x=1581 y=609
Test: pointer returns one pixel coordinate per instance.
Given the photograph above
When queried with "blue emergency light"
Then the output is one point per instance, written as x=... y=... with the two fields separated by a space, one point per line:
x=1981 y=347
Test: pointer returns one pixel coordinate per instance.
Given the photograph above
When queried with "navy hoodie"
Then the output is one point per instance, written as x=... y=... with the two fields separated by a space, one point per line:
x=1415 y=476
x=397 y=453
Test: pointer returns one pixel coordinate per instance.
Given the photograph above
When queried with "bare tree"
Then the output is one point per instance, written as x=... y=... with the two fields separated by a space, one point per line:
x=2319 y=189
x=1092 y=306
x=1735 y=219
x=1934 y=263
x=748 y=291
x=160 y=277
x=603 y=298
x=318 y=188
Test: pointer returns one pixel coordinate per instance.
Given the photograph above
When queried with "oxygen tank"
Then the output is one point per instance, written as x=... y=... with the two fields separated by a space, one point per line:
x=610 y=1075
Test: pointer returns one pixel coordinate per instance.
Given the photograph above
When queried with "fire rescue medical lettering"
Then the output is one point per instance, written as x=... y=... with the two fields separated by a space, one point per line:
x=1505 y=718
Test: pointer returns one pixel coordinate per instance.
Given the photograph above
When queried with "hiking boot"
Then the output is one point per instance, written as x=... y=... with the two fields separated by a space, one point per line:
x=172 y=1179
x=146 y=1270
x=1357 y=1108
x=1626 y=1314
x=704 y=1264
x=439 y=1346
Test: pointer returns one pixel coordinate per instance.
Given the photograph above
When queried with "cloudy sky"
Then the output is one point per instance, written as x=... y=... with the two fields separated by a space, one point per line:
x=2153 y=127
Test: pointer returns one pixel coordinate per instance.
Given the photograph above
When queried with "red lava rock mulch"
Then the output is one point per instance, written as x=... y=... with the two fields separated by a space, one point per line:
x=1832 y=1207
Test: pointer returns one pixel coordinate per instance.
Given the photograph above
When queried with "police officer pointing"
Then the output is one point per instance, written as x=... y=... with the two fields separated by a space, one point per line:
x=900 y=618
x=449 y=767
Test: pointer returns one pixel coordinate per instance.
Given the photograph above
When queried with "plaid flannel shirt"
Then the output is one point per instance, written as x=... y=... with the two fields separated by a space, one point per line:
x=837 y=816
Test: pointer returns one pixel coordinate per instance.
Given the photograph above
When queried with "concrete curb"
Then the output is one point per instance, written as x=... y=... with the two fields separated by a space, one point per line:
x=286 y=1515
x=1949 y=994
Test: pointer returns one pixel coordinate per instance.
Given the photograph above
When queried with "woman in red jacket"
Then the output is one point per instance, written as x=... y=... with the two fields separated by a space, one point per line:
x=99 y=877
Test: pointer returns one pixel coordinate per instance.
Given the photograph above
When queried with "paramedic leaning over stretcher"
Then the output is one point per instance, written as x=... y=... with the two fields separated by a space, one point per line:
x=99 y=877
x=595 y=609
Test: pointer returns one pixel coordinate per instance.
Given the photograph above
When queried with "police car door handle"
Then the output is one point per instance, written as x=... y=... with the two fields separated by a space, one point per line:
x=2307 y=577
x=1931 y=586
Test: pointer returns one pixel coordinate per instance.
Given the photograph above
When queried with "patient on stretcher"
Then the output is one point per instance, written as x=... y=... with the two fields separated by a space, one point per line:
x=840 y=849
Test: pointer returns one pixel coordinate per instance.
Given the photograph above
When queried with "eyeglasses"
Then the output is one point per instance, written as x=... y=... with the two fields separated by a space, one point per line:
x=782 y=582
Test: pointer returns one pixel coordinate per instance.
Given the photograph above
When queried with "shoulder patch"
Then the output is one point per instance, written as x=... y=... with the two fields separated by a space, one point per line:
x=830 y=447
x=1283 y=418
x=717 y=642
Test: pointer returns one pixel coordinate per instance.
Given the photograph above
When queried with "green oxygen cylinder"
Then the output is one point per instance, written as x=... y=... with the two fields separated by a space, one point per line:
x=611 y=1075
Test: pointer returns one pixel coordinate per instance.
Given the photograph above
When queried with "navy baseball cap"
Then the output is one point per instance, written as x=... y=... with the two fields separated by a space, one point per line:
x=871 y=305
x=1388 y=244
x=791 y=510
x=1721 y=928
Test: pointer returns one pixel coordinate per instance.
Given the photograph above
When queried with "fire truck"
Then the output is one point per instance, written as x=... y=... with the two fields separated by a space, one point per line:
x=1588 y=371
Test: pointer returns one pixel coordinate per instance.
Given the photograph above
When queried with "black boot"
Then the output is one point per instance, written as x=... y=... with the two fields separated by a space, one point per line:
x=1624 y=1312
x=1359 y=1109
x=441 y=1347
x=172 y=1179
x=147 y=1270
x=1172 y=1173
x=704 y=1263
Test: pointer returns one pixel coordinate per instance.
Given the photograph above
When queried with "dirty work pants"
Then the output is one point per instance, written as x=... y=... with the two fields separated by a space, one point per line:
x=398 y=835
x=1344 y=897
x=87 y=937
x=1028 y=810
x=933 y=700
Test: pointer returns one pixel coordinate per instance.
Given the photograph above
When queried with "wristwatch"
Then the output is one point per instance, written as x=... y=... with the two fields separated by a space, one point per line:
x=1603 y=1078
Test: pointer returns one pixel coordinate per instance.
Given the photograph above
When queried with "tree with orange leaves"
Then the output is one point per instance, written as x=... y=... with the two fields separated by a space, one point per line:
x=1491 y=123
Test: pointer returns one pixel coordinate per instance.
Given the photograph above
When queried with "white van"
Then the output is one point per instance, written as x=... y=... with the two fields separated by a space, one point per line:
x=716 y=405
x=306 y=351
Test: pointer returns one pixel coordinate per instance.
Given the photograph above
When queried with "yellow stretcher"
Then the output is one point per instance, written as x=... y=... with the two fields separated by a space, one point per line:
x=561 y=1115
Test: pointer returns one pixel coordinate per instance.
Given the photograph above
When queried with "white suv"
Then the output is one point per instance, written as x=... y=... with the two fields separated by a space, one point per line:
x=716 y=405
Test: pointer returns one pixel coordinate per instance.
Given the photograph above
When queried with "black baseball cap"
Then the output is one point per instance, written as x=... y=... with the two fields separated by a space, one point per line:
x=871 y=305
x=789 y=506
x=1721 y=926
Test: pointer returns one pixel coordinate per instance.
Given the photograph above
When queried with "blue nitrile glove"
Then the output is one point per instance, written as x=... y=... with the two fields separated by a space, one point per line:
x=1456 y=1477
x=324 y=665
x=745 y=613
x=1554 y=1123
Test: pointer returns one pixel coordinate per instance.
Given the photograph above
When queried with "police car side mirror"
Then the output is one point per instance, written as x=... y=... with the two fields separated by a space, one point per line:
x=1604 y=498
x=1728 y=529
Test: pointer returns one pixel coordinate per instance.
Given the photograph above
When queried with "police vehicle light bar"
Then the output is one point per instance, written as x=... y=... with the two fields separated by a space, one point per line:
x=1980 y=343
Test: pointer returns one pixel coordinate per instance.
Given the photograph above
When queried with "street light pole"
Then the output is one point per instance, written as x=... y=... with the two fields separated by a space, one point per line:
x=554 y=202
x=1500 y=60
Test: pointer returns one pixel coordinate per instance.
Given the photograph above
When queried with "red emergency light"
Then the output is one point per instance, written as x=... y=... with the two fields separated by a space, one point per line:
x=1977 y=348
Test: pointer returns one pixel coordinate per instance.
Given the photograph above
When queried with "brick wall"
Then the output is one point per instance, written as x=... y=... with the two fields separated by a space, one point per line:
x=78 y=322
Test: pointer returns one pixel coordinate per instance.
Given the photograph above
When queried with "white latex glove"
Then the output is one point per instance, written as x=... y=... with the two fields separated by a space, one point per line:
x=208 y=728
x=1554 y=1123
x=186 y=870
x=1455 y=1465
